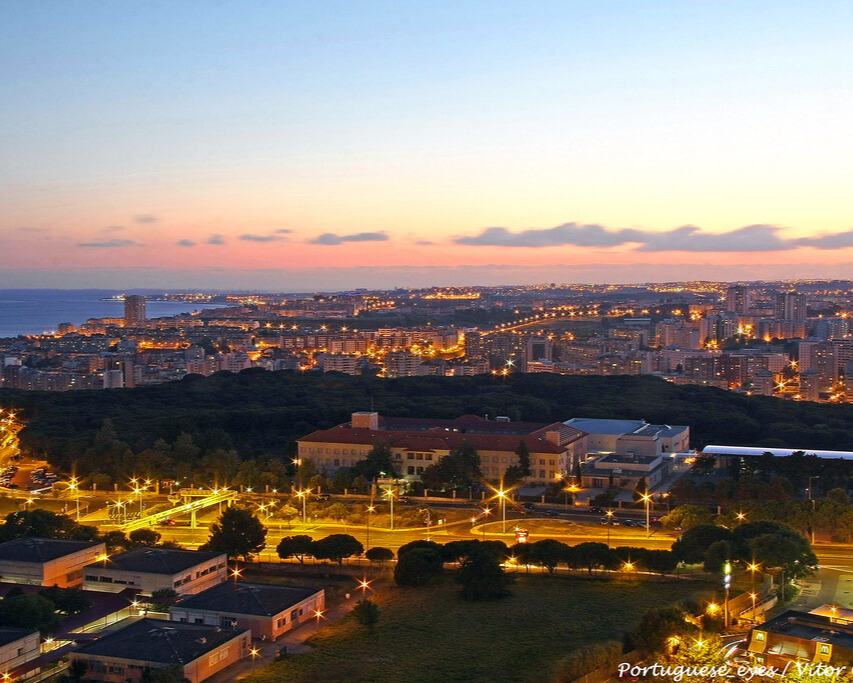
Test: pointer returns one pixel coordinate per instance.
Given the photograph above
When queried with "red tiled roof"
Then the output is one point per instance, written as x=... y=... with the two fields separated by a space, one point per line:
x=468 y=423
x=442 y=440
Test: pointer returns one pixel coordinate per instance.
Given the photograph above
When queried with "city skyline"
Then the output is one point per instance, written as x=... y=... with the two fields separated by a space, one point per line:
x=284 y=147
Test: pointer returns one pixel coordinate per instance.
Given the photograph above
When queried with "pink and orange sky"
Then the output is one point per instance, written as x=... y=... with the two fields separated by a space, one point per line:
x=283 y=146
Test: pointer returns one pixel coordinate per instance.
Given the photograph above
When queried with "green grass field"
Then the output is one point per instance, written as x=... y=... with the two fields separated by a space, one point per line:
x=429 y=634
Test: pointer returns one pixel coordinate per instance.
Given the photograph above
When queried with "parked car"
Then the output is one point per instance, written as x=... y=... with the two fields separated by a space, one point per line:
x=597 y=510
x=528 y=506
x=323 y=497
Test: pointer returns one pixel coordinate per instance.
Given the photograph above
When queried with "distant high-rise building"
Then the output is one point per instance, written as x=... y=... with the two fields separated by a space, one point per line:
x=790 y=306
x=809 y=385
x=738 y=299
x=129 y=373
x=403 y=364
x=537 y=348
x=763 y=383
x=134 y=311
x=113 y=379
x=66 y=328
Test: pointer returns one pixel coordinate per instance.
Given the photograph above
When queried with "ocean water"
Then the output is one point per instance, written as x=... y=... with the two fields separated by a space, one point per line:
x=33 y=311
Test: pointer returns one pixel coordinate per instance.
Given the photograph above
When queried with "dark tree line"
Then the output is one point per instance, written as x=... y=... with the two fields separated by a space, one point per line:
x=222 y=421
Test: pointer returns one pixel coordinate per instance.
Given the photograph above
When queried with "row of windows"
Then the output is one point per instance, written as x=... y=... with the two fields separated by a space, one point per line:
x=109 y=579
x=209 y=570
x=397 y=456
x=496 y=472
x=333 y=451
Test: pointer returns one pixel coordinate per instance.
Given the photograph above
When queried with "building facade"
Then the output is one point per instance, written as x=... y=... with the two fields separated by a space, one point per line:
x=152 y=569
x=47 y=561
x=267 y=610
x=416 y=444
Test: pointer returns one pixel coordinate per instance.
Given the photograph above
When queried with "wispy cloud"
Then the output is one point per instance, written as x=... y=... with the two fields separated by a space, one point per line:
x=145 y=218
x=111 y=244
x=216 y=239
x=331 y=239
x=185 y=243
x=750 y=238
x=837 y=240
x=275 y=236
x=570 y=233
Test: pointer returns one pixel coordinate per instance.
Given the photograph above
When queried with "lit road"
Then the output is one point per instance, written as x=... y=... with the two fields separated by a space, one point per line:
x=381 y=536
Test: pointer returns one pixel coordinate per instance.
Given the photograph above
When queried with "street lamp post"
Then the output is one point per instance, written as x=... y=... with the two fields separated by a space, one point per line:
x=370 y=510
x=811 y=498
x=390 y=494
x=502 y=498
x=486 y=512
x=752 y=567
x=304 y=496
x=609 y=514
x=74 y=485
x=647 y=498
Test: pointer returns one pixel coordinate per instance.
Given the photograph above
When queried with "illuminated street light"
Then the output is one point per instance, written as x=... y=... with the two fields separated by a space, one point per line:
x=370 y=510
x=73 y=485
x=304 y=496
x=364 y=584
x=647 y=498
x=486 y=512
x=501 y=495
x=609 y=514
x=255 y=652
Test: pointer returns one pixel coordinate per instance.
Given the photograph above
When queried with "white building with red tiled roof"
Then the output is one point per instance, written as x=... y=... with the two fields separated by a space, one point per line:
x=418 y=443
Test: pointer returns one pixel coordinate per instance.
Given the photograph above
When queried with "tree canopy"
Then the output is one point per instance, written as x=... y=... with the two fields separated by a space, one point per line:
x=336 y=547
x=238 y=533
x=44 y=524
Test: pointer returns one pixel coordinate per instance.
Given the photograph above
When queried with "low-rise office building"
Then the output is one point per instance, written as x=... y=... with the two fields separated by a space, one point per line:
x=804 y=637
x=152 y=569
x=624 y=471
x=17 y=647
x=632 y=437
x=266 y=609
x=47 y=561
x=417 y=443
x=125 y=654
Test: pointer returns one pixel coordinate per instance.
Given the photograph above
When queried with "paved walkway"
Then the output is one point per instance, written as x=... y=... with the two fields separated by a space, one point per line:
x=293 y=640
